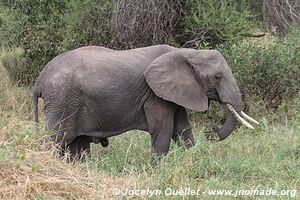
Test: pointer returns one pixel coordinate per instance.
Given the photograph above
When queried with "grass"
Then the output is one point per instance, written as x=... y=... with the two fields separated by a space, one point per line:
x=264 y=158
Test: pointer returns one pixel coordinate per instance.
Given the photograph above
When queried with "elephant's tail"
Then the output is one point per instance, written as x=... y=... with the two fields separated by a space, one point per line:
x=36 y=96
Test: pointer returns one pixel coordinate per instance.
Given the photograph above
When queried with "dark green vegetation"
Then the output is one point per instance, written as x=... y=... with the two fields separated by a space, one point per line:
x=44 y=29
x=32 y=32
x=270 y=71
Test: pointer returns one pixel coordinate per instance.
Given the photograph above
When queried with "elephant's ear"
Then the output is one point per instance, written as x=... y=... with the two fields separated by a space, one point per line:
x=172 y=78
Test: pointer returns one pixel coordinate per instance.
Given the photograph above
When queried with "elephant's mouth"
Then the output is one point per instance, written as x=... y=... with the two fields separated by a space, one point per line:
x=213 y=95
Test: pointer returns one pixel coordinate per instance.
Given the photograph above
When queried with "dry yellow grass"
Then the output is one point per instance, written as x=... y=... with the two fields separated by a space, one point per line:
x=28 y=171
x=54 y=180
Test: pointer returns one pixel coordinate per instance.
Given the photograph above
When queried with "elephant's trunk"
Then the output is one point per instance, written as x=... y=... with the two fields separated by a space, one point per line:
x=233 y=116
x=227 y=127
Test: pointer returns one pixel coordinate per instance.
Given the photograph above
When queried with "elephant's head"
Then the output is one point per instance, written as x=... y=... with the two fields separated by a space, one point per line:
x=191 y=78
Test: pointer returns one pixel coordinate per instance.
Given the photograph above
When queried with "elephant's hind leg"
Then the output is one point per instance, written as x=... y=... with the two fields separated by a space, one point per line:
x=78 y=146
x=81 y=145
x=182 y=128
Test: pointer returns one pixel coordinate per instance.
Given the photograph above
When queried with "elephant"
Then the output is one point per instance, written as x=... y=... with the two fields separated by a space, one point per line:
x=92 y=93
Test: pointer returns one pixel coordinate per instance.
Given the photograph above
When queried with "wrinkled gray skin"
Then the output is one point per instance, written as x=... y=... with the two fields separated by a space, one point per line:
x=92 y=93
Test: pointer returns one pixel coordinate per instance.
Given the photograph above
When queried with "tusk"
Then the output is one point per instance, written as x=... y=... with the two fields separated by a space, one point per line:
x=248 y=118
x=238 y=117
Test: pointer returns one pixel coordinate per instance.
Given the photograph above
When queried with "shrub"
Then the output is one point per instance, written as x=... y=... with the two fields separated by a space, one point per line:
x=13 y=61
x=214 y=22
x=44 y=29
x=88 y=23
x=254 y=6
x=271 y=71
x=33 y=26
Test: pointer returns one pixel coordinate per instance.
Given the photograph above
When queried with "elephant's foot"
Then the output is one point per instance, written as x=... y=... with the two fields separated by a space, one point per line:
x=155 y=158
x=79 y=147
x=103 y=141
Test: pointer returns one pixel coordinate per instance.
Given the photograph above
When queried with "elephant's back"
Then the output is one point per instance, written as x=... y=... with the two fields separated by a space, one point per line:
x=93 y=69
x=73 y=59
x=102 y=60
x=97 y=59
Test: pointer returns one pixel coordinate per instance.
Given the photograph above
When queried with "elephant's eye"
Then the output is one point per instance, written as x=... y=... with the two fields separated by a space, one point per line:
x=218 y=77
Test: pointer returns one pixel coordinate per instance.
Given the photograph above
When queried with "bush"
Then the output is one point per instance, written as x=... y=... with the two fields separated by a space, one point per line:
x=45 y=29
x=214 y=22
x=254 y=6
x=13 y=61
x=88 y=23
x=33 y=26
x=271 y=71
x=13 y=100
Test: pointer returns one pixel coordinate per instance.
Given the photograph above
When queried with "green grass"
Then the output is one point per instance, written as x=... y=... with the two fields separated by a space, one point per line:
x=268 y=157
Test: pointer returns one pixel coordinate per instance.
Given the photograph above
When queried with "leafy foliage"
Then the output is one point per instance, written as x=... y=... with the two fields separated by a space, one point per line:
x=271 y=71
x=87 y=23
x=43 y=29
x=33 y=26
x=254 y=6
x=214 y=22
x=13 y=61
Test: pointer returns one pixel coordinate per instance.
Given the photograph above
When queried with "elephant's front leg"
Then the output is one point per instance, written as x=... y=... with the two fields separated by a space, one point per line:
x=160 y=119
x=182 y=129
